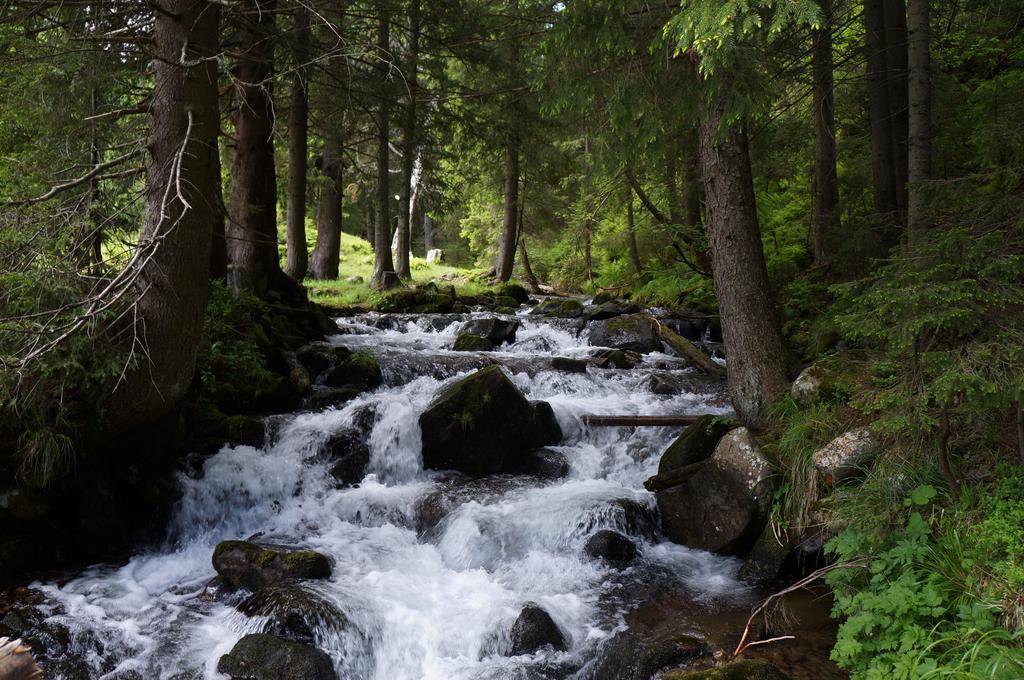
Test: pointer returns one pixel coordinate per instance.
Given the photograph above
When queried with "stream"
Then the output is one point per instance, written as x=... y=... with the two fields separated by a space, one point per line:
x=430 y=569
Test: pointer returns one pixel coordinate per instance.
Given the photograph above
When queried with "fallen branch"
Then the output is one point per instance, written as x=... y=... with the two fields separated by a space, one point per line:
x=673 y=478
x=685 y=348
x=802 y=583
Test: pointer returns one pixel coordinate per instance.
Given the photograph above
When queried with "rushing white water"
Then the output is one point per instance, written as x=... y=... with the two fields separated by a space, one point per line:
x=422 y=603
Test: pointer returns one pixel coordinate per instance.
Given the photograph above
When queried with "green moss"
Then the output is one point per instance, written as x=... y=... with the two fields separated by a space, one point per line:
x=471 y=342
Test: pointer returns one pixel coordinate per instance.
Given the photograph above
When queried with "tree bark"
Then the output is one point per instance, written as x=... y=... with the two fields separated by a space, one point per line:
x=507 y=245
x=825 y=209
x=298 y=152
x=883 y=163
x=382 y=264
x=920 y=122
x=327 y=252
x=409 y=140
x=182 y=201
x=531 y=279
x=756 y=363
x=252 y=208
x=634 y=250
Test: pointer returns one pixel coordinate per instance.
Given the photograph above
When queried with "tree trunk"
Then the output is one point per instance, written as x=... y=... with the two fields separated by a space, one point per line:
x=825 y=209
x=634 y=251
x=298 y=128
x=882 y=159
x=896 y=64
x=182 y=201
x=324 y=264
x=588 y=259
x=382 y=263
x=920 y=124
x=531 y=279
x=219 y=246
x=405 y=206
x=370 y=218
x=428 y=232
x=507 y=246
x=756 y=359
x=252 y=208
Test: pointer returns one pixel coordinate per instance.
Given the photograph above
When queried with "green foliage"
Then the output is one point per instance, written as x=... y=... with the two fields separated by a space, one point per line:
x=914 y=611
x=231 y=364
x=947 y=316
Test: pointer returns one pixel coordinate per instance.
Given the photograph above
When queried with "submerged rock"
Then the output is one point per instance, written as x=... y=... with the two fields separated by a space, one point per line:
x=247 y=565
x=348 y=456
x=294 y=613
x=339 y=367
x=635 y=332
x=481 y=423
x=542 y=463
x=498 y=331
x=724 y=506
x=569 y=365
x=533 y=630
x=612 y=547
x=643 y=649
x=268 y=657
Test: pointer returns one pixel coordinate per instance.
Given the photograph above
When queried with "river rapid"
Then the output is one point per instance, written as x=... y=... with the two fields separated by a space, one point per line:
x=423 y=598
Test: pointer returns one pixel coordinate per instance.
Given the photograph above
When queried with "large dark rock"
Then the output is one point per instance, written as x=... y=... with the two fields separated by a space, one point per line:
x=745 y=669
x=724 y=506
x=481 y=423
x=533 y=630
x=608 y=310
x=348 y=456
x=569 y=365
x=268 y=657
x=247 y=565
x=635 y=332
x=496 y=330
x=612 y=547
x=643 y=649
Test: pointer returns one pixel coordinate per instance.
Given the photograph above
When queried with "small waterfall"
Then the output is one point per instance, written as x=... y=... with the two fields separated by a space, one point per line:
x=420 y=600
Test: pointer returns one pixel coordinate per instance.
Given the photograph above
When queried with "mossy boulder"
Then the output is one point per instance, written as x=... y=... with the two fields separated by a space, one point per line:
x=696 y=443
x=830 y=378
x=724 y=505
x=846 y=456
x=251 y=566
x=481 y=423
x=359 y=370
x=634 y=332
x=471 y=342
x=505 y=302
x=514 y=291
x=504 y=310
x=268 y=657
x=562 y=308
x=747 y=669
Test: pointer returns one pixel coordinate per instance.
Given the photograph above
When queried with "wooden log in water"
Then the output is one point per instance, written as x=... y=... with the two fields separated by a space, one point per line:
x=637 y=421
x=690 y=351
